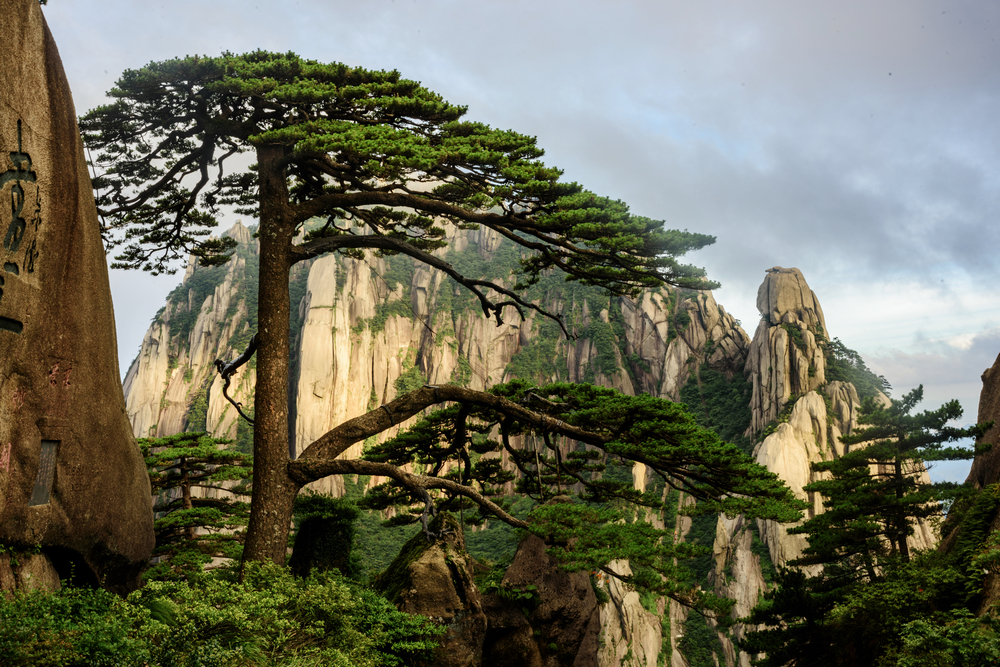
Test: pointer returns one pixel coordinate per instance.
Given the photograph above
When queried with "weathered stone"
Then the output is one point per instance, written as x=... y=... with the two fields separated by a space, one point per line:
x=27 y=571
x=435 y=579
x=629 y=633
x=986 y=466
x=343 y=365
x=565 y=623
x=71 y=476
x=784 y=297
x=985 y=472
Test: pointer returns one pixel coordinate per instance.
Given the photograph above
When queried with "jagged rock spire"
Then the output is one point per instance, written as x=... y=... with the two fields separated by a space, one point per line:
x=786 y=358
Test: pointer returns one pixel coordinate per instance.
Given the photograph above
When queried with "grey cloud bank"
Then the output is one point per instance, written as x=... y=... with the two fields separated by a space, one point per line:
x=857 y=141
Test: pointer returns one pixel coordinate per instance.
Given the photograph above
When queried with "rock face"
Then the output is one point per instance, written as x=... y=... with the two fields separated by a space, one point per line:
x=434 y=579
x=985 y=473
x=365 y=330
x=785 y=359
x=986 y=466
x=71 y=476
x=562 y=629
x=807 y=417
x=630 y=635
x=205 y=318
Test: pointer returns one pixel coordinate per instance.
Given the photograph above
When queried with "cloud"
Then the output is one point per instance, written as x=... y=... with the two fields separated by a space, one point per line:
x=956 y=362
x=855 y=140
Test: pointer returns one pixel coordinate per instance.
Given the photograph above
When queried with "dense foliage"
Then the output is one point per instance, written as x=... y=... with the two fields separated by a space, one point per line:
x=846 y=365
x=594 y=517
x=324 y=536
x=874 y=598
x=270 y=619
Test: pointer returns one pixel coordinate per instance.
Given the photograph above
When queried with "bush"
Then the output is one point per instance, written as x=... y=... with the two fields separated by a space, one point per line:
x=325 y=536
x=271 y=618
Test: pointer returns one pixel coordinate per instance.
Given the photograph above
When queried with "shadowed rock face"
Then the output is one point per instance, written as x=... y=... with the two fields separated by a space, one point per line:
x=434 y=579
x=986 y=471
x=986 y=466
x=71 y=477
x=562 y=629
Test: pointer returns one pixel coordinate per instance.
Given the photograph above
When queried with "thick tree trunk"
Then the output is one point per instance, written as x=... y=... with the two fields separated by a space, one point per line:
x=273 y=491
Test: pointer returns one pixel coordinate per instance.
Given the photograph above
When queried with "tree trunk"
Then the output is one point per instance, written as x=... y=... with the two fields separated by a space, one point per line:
x=273 y=491
x=902 y=525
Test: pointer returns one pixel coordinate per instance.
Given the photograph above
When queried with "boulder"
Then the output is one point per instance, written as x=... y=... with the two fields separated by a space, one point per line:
x=72 y=481
x=434 y=579
x=563 y=626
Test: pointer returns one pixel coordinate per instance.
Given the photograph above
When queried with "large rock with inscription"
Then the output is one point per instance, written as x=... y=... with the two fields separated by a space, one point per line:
x=72 y=480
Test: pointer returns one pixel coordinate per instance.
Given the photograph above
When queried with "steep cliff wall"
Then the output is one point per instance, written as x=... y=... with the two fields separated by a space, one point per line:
x=797 y=418
x=364 y=331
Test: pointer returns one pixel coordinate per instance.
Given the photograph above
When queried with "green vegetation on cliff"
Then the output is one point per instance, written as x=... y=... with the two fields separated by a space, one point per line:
x=876 y=599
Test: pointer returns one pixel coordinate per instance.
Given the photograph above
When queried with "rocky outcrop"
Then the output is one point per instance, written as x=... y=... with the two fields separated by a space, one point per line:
x=72 y=480
x=435 y=579
x=785 y=358
x=27 y=571
x=986 y=466
x=799 y=419
x=205 y=318
x=630 y=635
x=366 y=329
x=563 y=624
x=981 y=517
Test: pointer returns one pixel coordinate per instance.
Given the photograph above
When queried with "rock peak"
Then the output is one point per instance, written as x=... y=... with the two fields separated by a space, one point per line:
x=239 y=233
x=785 y=298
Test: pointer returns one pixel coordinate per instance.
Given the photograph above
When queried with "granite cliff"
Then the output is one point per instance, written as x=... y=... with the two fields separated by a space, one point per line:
x=366 y=330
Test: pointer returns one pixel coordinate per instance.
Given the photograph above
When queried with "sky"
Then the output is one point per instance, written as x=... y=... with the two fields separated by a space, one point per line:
x=857 y=141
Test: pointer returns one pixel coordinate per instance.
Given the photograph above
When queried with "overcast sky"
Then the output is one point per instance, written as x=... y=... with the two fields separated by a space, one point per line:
x=856 y=140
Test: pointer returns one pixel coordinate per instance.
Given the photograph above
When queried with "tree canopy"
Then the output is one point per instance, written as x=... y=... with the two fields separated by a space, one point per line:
x=193 y=528
x=373 y=153
x=576 y=434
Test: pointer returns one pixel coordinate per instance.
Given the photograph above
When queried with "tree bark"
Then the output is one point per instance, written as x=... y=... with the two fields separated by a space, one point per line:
x=273 y=491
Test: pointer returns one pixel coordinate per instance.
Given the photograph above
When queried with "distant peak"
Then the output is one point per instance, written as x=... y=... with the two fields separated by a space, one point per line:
x=239 y=233
x=784 y=297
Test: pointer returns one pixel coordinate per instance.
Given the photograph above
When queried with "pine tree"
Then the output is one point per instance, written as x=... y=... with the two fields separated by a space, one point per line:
x=872 y=496
x=388 y=166
x=192 y=528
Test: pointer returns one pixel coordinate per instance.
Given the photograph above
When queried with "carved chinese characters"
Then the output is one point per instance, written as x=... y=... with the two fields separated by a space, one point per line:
x=20 y=243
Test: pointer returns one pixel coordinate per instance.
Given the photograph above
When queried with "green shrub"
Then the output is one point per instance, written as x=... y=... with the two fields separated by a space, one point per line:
x=325 y=536
x=71 y=627
x=271 y=618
